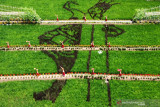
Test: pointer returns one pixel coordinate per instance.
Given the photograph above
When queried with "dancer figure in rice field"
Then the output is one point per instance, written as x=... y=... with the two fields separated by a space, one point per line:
x=85 y=18
x=63 y=72
x=7 y=44
x=120 y=72
x=37 y=72
x=57 y=18
x=109 y=44
x=93 y=71
x=29 y=44
x=106 y=19
x=92 y=44
x=62 y=45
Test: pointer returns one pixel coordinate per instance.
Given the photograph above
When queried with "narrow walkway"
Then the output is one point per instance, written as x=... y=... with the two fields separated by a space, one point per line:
x=82 y=48
x=54 y=22
x=127 y=77
x=92 y=22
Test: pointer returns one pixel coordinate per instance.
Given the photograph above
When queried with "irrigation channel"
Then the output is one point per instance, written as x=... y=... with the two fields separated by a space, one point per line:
x=82 y=48
x=128 y=77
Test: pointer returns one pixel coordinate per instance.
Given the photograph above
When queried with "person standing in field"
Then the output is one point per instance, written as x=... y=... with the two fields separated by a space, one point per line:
x=109 y=44
x=92 y=44
x=93 y=71
x=62 y=45
x=57 y=18
x=63 y=72
x=120 y=72
x=7 y=44
x=29 y=44
x=106 y=19
x=85 y=18
x=37 y=72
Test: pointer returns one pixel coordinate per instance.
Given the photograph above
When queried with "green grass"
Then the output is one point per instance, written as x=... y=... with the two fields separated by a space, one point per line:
x=99 y=35
x=98 y=62
x=19 y=34
x=48 y=9
x=20 y=93
x=134 y=62
x=134 y=90
x=137 y=35
x=20 y=62
x=81 y=62
x=98 y=93
x=75 y=93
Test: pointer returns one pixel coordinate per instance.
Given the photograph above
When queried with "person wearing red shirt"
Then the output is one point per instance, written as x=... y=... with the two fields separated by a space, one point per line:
x=37 y=72
x=63 y=72
x=29 y=45
x=85 y=18
x=62 y=45
x=7 y=44
x=57 y=18
x=92 y=71
x=92 y=44
x=106 y=19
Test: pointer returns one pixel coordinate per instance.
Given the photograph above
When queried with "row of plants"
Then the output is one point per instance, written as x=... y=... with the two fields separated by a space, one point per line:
x=141 y=14
x=17 y=22
x=29 y=14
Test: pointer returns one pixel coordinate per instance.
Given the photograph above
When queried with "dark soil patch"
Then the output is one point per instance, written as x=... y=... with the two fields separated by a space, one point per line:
x=51 y=93
x=88 y=95
x=71 y=35
x=66 y=59
x=109 y=94
x=112 y=31
x=68 y=7
x=89 y=57
x=99 y=9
